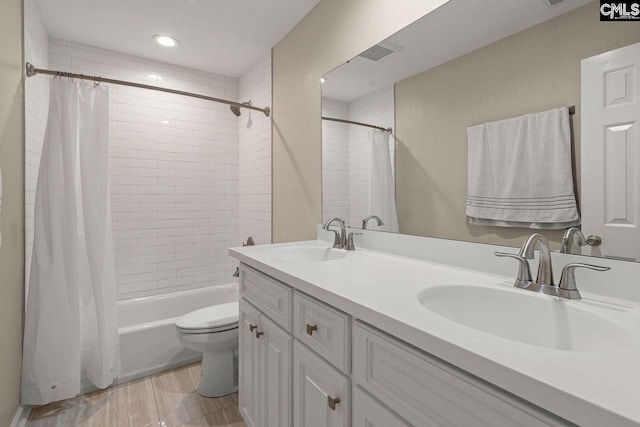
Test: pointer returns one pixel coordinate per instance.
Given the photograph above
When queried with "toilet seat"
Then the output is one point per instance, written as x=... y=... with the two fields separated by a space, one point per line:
x=216 y=318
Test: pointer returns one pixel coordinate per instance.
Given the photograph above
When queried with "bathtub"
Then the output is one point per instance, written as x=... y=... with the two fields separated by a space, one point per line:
x=148 y=339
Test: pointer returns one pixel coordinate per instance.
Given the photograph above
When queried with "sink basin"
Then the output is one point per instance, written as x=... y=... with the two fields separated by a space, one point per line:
x=307 y=253
x=527 y=318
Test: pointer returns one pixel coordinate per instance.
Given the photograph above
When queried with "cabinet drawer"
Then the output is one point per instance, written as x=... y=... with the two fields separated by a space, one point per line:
x=268 y=295
x=324 y=329
x=427 y=392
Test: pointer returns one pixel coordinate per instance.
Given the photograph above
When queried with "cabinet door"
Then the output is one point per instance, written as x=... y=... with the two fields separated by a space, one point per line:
x=249 y=360
x=276 y=347
x=367 y=412
x=321 y=393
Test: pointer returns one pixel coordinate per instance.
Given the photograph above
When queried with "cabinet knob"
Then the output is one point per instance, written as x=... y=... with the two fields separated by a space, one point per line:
x=333 y=401
x=252 y=327
x=259 y=333
x=311 y=329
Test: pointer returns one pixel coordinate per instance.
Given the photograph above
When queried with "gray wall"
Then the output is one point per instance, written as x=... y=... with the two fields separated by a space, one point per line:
x=332 y=33
x=534 y=70
x=12 y=217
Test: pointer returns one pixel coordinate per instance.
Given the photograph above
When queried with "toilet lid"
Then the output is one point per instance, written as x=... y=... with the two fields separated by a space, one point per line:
x=213 y=317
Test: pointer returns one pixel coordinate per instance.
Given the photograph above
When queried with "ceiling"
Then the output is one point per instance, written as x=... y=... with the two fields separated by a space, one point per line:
x=220 y=36
x=454 y=29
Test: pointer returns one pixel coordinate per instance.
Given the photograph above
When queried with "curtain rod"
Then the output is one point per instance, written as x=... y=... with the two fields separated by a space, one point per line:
x=358 y=123
x=32 y=71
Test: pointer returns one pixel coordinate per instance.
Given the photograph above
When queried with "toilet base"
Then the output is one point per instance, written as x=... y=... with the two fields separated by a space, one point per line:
x=217 y=374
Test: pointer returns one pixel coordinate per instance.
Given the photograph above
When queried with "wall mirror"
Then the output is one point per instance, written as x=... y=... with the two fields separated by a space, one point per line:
x=469 y=63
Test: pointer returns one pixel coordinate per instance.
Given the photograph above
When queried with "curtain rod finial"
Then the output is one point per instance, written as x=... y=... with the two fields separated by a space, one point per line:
x=31 y=70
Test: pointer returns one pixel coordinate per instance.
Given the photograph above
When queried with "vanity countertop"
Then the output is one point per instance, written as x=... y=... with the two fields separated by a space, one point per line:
x=587 y=388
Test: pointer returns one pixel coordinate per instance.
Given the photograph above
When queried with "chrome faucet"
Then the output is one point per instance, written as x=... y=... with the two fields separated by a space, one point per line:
x=544 y=282
x=545 y=273
x=570 y=235
x=369 y=218
x=340 y=239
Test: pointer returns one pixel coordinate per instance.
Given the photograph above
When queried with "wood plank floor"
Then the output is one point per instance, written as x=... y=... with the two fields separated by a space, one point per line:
x=168 y=399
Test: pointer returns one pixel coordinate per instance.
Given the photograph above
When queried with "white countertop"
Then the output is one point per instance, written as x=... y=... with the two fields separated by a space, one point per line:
x=600 y=388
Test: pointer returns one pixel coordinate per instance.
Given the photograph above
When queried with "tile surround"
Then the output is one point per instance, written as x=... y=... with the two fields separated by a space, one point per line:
x=255 y=154
x=188 y=179
x=173 y=171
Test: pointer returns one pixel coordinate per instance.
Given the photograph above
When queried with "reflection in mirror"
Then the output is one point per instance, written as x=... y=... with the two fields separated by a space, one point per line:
x=358 y=153
x=465 y=64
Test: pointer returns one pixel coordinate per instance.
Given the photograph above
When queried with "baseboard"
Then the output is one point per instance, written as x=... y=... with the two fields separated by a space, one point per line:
x=21 y=417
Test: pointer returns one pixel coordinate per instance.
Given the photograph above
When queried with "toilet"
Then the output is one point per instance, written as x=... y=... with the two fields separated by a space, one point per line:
x=214 y=332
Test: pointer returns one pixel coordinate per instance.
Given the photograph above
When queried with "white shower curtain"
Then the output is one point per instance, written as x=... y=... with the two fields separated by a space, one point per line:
x=382 y=186
x=71 y=332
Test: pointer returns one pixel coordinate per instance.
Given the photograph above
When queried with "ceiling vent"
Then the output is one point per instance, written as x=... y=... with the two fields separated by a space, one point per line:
x=376 y=53
x=552 y=2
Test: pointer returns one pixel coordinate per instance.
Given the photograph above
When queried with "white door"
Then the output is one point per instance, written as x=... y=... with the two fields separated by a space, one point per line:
x=611 y=152
x=320 y=393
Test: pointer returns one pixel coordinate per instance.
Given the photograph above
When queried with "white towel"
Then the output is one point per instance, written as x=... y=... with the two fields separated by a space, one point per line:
x=520 y=172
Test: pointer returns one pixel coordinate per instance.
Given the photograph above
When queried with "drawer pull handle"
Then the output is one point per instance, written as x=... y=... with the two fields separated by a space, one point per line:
x=311 y=329
x=258 y=333
x=333 y=401
x=252 y=327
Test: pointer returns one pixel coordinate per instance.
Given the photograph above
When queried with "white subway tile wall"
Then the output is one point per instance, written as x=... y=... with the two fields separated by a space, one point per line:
x=335 y=161
x=255 y=154
x=36 y=93
x=346 y=152
x=173 y=171
x=175 y=167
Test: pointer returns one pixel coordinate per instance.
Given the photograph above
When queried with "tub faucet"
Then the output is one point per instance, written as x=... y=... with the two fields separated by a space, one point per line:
x=340 y=239
x=249 y=242
x=370 y=217
x=545 y=273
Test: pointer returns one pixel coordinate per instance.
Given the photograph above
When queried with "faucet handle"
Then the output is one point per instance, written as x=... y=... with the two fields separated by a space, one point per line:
x=350 y=245
x=568 y=278
x=524 y=272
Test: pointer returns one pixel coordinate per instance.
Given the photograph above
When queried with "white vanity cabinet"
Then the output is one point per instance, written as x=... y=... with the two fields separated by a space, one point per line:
x=304 y=363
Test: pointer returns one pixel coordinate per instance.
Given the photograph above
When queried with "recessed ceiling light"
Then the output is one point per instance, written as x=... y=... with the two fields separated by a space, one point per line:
x=165 y=41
